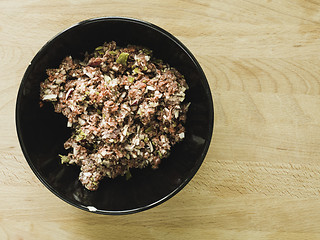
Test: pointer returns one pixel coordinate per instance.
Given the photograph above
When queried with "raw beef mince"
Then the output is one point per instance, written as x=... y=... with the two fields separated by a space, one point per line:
x=125 y=107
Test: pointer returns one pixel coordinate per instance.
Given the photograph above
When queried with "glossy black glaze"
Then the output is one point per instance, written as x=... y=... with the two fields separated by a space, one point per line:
x=42 y=132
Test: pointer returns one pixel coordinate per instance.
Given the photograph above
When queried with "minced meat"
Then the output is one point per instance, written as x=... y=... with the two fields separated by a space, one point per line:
x=126 y=109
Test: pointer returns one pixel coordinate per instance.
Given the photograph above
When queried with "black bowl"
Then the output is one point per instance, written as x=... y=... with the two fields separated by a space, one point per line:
x=42 y=132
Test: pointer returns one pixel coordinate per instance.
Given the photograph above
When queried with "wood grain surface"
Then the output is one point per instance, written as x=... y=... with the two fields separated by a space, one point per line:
x=261 y=176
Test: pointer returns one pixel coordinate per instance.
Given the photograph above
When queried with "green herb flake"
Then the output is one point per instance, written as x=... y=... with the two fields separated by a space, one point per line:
x=122 y=59
x=131 y=79
x=128 y=175
x=147 y=51
x=99 y=111
x=149 y=129
x=136 y=71
x=160 y=155
x=112 y=52
x=145 y=68
x=95 y=145
x=99 y=48
x=158 y=61
x=97 y=93
x=64 y=159
x=80 y=136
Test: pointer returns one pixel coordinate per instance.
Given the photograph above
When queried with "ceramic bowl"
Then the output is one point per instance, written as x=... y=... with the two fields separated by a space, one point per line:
x=42 y=132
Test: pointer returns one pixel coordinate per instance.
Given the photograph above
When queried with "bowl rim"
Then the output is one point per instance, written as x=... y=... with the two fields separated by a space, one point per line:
x=204 y=82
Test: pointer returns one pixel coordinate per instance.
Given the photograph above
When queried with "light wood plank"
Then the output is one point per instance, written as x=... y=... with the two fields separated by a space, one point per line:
x=261 y=176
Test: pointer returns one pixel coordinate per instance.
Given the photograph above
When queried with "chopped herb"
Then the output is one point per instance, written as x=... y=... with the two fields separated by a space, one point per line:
x=64 y=159
x=122 y=59
x=145 y=68
x=149 y=129
x=159 y=153
x=136 y=71
x=99 y=48
x=113 y=52
x=128 y=175
x=80 y=136
x=99 y=111
x=158 y=61
x=97 y=93
x=146 y=139
x=131 y=79
x=147 y=51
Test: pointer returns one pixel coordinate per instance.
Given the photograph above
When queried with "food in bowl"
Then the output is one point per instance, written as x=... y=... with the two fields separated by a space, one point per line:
x=126 y=108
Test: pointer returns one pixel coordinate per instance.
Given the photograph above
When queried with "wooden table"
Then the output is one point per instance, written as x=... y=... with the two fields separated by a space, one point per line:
x=261 y=176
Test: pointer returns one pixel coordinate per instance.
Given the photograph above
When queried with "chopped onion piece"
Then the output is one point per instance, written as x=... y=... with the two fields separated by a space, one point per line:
x=181 y=135
x=151 y=88
x=87 y=174
x=81 y=121
x=50 y=97
x=176 y=114
x=68 y=93
x=150 y=146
